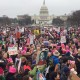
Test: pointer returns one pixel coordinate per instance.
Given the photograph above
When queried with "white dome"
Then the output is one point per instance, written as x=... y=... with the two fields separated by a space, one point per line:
x=44 y=14
x=44 y=10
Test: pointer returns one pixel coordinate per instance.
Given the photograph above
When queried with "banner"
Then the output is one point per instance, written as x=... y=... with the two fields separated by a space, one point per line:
x=63 y=39
x=12 y=50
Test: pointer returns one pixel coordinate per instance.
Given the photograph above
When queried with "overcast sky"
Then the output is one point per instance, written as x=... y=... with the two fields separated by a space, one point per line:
x=12 y=8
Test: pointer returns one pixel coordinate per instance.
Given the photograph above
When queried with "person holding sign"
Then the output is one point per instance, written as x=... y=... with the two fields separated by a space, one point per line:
x=63 y=39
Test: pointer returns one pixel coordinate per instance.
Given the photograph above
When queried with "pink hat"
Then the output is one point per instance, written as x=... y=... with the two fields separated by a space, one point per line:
x=67 y=51
x=25 y=48
x=62 y=45
x=1 y=71
x=72 y=62
x=64 y=51
x=67 y=47
x=27 y=67
x=9 y=60
x=58 y=47
x=12 y=69
x=23 y=52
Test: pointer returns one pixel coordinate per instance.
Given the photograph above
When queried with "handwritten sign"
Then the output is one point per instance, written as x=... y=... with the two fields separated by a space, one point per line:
x=63 y=39
x=12 y=50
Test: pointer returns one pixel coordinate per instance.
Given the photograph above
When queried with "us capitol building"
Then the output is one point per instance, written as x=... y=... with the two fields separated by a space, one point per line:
x=44 y=19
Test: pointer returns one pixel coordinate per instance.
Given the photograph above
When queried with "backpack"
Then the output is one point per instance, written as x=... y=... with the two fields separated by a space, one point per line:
x=63 y=75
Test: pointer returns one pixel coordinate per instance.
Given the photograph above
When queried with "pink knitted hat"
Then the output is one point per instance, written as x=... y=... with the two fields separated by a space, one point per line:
x=67 y=47
x=1 y=71
x=12 y=69
x=23 y=52
x=25 y=48
x=67 y=51
x=9 y=60
x=72 y=62
x=62 y=45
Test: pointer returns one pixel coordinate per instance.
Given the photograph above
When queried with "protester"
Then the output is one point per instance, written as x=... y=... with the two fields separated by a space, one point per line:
x=32 y=55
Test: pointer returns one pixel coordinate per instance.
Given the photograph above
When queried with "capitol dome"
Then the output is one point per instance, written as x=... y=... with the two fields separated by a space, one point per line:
x=43 y=19
x=44 y=9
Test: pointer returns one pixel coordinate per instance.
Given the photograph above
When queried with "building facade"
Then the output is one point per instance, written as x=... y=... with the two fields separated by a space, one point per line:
x=43 y=19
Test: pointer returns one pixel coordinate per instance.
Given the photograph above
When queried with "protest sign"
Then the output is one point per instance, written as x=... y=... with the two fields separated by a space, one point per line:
x=12 y=50
x=42 y=31
x=22 y=30
x=63 y=39
x=36 y=32
x=74 y=76
x=50 y=29
x=31 y=38
x=4 y=32
x=46 y=43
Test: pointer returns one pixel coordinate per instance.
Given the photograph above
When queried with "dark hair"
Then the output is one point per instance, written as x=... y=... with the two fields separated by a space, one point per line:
x=65 y=59
x=27 y=62
x=54 y=47
x=26 y=77
x=31 y=45
x=26 y=72
x=50 y=47
x=0 y=54
x=7 y=55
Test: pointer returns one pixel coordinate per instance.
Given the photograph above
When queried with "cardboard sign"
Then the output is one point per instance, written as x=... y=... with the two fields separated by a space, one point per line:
x=50 y=29
x=63 y=39
x=12 y=50
x=4 y=32
x=22 y=30
x=74 y=77
x=31 y=38
x=42 y=31
x=57 y=29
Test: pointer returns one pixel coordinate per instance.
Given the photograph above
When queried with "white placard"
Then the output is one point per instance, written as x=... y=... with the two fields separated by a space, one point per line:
x=63 y=39
x=22 y=30
x=12 y=50
x=31 y=38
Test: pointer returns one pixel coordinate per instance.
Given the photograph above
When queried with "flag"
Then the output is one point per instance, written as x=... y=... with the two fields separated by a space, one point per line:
x=18 y=33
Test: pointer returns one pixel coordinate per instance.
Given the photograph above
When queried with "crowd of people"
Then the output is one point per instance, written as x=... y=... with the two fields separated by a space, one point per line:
x=21 y=48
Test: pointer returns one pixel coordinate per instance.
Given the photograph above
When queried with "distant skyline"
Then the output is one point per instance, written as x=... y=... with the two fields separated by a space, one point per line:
x=12 y=8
